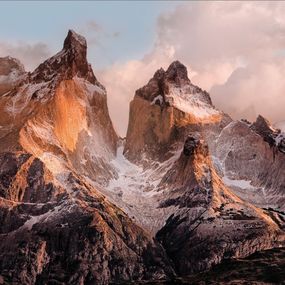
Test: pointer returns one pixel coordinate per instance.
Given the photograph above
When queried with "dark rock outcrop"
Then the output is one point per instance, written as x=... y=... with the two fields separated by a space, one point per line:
x=272 y=136
x=263 y=128
x=70 y=235
x=264 y=267
x=210 y=223
x=190 y=145
x=70 y=62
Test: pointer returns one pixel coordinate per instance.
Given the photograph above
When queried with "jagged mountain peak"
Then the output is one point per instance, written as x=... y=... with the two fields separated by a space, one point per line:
x=71 y=61
x=263 y=121
x=60 y=98
x=173 y=82
x=274 y=137
x=177 y=73
x=74 y=40
x=159 y=74
x=166 y=104
x=263 y=127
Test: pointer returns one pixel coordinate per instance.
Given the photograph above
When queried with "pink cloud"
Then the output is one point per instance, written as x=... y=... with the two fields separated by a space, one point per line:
x=29 y=54
x=230 y=49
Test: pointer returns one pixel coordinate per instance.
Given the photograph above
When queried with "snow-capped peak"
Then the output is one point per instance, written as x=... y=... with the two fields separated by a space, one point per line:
x=189 y=101
x=69 y=62
x=173 y=88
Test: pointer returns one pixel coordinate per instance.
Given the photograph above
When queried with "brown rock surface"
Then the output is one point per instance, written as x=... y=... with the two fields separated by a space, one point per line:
x=159 y=115
x=243 y=154
x=56 y=228
x=209 y=188
x=210 y=223
x=208 y=194
x=69 y=234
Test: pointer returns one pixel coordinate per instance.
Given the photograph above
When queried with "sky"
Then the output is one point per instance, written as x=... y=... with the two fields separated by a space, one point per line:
x=234 y=50
x=115 y=30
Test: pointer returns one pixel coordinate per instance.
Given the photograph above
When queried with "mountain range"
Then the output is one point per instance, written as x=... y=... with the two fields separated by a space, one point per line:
x=189 y=188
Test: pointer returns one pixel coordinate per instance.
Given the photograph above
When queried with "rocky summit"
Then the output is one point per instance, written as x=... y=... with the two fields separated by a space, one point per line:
x=188 y=190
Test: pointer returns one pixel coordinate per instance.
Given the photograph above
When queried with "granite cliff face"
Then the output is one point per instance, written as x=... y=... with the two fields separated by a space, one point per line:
x=39 y=115
x=187 y=189
x=164 y=110
x=217 y=185
x=210 y=223
x=56 y=228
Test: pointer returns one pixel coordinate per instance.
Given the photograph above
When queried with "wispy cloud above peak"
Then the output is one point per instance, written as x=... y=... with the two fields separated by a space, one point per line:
x=232 y=49
x=30 y=54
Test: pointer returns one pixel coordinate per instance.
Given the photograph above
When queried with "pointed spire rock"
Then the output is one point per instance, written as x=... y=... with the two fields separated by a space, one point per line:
x=263 y=127
x=71 y=61
x=74 y=40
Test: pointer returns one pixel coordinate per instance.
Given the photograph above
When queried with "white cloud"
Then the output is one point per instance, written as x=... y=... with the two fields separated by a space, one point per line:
x=121 y=81
x=231 y=48
x=255 y=89
x=29 y=54
x=235 y=50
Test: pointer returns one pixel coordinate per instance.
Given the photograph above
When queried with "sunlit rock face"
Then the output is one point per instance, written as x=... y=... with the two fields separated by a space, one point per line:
x=187 y=189
x=208 y=176
x=165 y=110
x=56 y=135
x=210 y=222
x=59 y=110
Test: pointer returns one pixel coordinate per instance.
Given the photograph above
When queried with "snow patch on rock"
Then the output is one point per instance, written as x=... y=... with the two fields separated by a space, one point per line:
x=157 y=98
x=89 y=87
x=279 y=138
x=25 y=93
x=12 y=77
x=244 y=184
x=54 y=163
x=136 y=190
x=41 y=218
x=185 y=99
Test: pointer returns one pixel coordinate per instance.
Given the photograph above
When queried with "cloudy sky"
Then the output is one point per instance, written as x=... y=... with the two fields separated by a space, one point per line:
x=234 y=50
